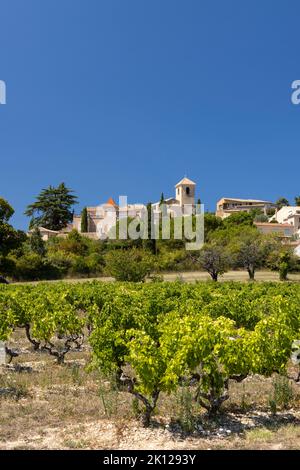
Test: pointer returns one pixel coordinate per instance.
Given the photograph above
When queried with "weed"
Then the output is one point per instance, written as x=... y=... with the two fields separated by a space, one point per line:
x=282 y=394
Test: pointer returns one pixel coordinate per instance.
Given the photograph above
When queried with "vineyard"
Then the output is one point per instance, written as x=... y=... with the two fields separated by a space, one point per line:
x=151 y=341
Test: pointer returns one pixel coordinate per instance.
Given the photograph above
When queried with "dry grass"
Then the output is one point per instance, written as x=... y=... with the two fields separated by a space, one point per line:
x=46 y=406
x=192 y=276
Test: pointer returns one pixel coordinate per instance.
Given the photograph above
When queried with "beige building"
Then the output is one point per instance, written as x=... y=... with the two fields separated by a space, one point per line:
x=184 y=201
x=227 y=206
x=46 y=233
x=282 y=230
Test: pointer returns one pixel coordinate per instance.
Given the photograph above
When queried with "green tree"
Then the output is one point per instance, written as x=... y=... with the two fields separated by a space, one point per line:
x=238 y=219
x=163 y=208
x=249 y=249
x=84 y=220
x=214 y=259
x=211 y=223
x=74 y=243
x=36 y=243
x=283 y=260
x=297 y=200
x=52 y=208
x=150 y=243
x=281 y=202
x=128 y=265
x=259 y=215
x=6 y=211
x=10 y=239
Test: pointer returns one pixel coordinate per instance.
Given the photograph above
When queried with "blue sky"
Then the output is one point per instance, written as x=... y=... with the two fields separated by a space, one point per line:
x=126 y=96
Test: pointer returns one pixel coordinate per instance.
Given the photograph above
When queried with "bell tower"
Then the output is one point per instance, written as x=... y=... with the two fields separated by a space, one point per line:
x=185 y=192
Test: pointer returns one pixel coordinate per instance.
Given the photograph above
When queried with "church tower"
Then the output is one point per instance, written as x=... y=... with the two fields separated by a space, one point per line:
x=185 y=192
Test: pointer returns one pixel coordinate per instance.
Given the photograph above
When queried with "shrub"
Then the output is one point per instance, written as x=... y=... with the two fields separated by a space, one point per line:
x=33 y=267
x=79 y=265
x=125 y=265
x=282 y=393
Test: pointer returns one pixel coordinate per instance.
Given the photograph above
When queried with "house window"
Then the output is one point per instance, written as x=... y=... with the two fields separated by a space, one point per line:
x=187 y=190
x=178 y=191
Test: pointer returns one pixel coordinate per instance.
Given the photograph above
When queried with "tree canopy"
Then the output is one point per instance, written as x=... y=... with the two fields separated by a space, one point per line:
x=52 y=208
x=10 y=238
x=281 y=202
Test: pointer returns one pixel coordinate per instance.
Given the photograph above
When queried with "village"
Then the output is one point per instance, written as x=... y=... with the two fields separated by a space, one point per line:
x=270 y=217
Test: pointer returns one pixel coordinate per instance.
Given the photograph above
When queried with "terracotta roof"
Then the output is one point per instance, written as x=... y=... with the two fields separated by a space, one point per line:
x=111 y=202
x=185 y=181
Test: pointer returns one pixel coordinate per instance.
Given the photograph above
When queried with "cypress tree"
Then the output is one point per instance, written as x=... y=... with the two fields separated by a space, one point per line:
x=84 y=220
x=37 y=244
x=150 y=243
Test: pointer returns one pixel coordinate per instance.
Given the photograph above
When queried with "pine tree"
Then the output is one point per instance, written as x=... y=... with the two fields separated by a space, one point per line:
x=282 y=202
x=84 y=220
x=52 y=208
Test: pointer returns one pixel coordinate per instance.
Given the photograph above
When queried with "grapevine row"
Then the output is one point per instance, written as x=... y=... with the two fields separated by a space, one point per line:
x=156 y=337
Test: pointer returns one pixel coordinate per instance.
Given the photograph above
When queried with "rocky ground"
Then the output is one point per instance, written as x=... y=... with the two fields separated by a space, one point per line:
x=48 y=406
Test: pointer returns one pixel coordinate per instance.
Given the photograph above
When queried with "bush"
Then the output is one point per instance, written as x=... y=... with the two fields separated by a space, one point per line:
x=282 y=394
x=74 y=243
x=61 y=262
x=7 y=266
x=79 y=266
x=33 y=267
x=95 y=263
x=125 y=265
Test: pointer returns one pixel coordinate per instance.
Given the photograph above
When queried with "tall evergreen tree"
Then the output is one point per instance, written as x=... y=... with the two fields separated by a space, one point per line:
x=52 y=208
x=150 y=243
x=36 y=243
x=84 y=220
x=281 y=202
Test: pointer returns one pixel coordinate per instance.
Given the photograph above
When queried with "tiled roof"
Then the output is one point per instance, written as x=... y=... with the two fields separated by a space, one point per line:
x=111 y=202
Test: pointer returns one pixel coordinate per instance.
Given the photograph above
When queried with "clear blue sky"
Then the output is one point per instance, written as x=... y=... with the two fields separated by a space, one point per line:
x=126 y=96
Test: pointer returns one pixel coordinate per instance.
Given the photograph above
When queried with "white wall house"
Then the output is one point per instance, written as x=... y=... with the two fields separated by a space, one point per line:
x=289 y=215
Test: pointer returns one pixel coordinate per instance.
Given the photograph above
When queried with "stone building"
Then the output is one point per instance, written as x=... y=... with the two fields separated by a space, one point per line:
x=102 y=218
